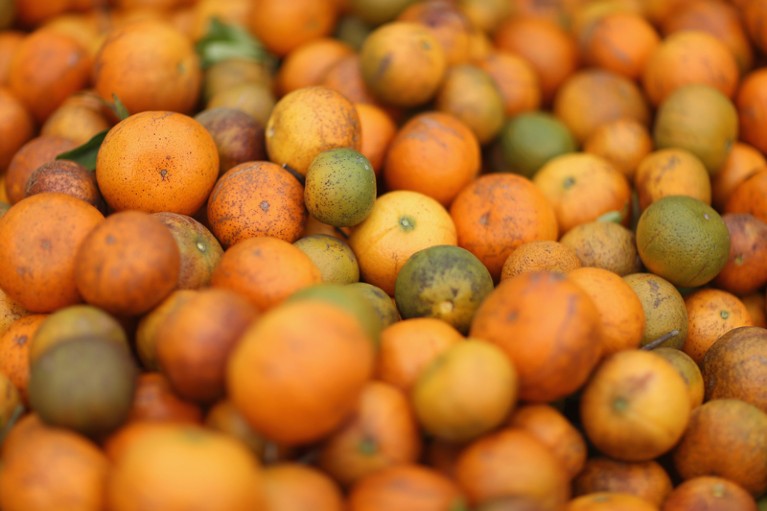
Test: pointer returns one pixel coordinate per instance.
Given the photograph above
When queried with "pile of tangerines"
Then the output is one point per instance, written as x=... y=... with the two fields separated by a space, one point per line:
x=374 y=255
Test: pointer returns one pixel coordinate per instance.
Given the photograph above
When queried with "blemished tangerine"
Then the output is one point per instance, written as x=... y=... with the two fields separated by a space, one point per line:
x=496 y=213
x=745 y=271
x=534 y=338
x=290 y=485
x=127 y=264
x=402 y=63
x=607 y=96
x=434 y=153
x=686 y=57
x=157 y=161
x=307 y=64
x=405 y=486
x=734 y=433
x=35 y=152
x=447 y=22
x=724 y=20
x=33 y=229
x=537 y=480
x=646 y=479
x=540 y=255
x=256 y=198
x=581 y=187
x=307 y=121
x=16 y=125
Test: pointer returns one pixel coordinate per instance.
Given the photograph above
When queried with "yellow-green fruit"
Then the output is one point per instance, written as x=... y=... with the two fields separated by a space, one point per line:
x=333 y=256
x=85 y=384
x=467 y=391
x=376 y=12
x=76 y=322
x=341 y=295
x=531 y=139
x=664 y=310
x=340 y=187
x=470 y=94
x=382 y=303
x=683 y=240
x=444 y=282
x=698 y=118
x=352 y=30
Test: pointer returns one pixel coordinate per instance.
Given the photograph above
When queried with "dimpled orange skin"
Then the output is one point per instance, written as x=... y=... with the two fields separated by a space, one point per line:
x=306 y=122
x=256 y=198
x=148 y=64
x=40 y=238
x=157 y=161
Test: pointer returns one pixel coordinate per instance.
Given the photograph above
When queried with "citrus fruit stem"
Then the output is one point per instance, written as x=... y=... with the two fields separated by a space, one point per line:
x=660 y=340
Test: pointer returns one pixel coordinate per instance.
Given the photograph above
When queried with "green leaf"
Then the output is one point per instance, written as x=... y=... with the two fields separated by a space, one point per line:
x=85 y=154
x=223 y=41
x=119 y=108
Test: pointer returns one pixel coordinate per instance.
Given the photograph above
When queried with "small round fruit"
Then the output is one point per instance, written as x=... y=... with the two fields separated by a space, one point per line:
x=199 y=249
x=85 y=384
x=735 y=366
x=332 y=255
x=683 y=240
x=402 y=63
x=635 y=407
x=666 y=321
x=531 y=139
x=340 y=187
x=466 y=391
x=698 y=118
x=444 y=282
x=74 y=322
x=379 y=299
x=307 y=121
